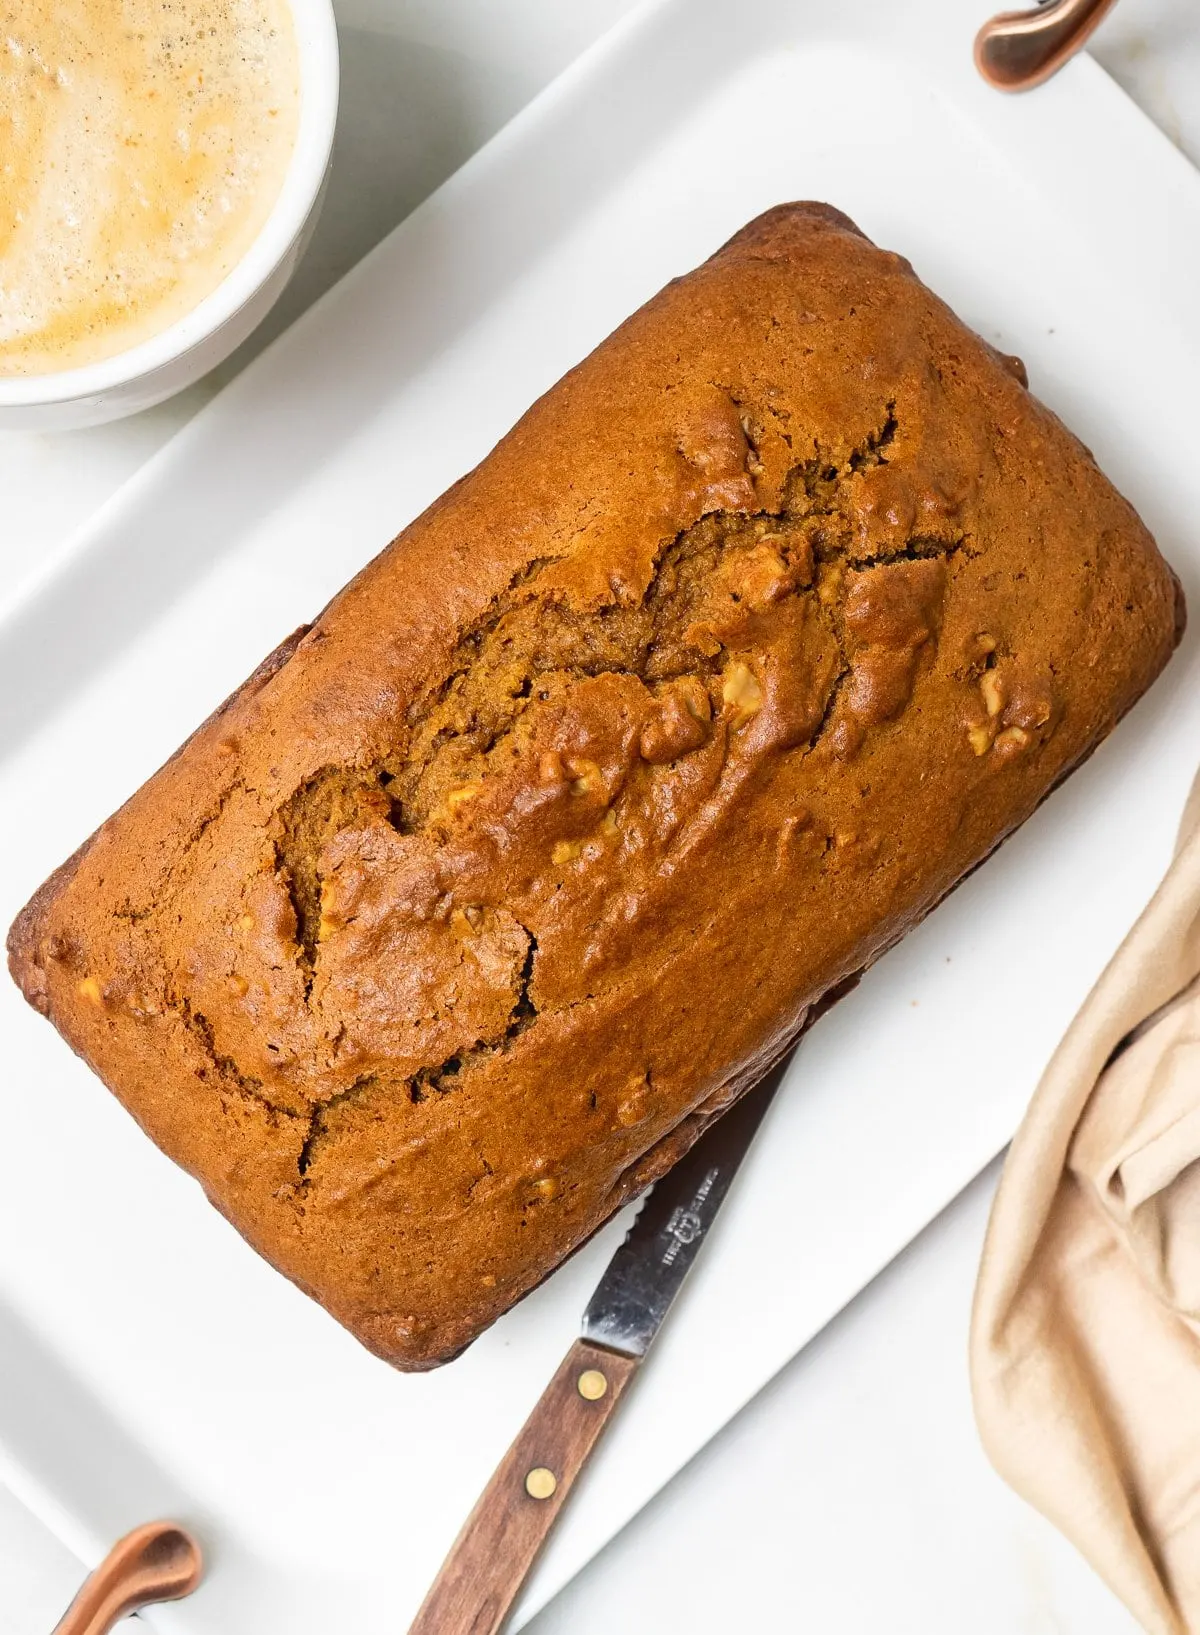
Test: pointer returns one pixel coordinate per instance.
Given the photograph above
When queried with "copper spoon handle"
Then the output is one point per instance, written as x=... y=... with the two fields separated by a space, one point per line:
x=1020 y=49
x=490 y=1560
x=156 y=1562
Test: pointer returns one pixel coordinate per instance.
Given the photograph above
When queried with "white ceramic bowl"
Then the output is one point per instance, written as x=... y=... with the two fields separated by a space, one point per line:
x=166 y=363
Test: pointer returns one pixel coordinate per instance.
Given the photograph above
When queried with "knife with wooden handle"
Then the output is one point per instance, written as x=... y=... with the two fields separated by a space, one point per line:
x=491 y=1558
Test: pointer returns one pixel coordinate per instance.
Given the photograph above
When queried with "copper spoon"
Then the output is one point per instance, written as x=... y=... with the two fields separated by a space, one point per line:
x=156 y=1562
x=1021 y=49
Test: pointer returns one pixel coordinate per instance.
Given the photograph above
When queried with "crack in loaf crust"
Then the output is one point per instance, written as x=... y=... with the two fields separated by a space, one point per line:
x=453 y=928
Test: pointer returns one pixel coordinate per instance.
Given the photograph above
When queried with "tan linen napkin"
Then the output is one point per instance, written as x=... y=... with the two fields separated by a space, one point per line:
x=1085 y=1337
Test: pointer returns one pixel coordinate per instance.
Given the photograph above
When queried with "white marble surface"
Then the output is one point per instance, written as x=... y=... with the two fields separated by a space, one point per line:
x=851 y=1496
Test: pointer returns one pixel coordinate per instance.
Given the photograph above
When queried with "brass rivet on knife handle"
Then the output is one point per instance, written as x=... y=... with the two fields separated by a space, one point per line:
x=541 y=1483
x=1020 y=49
x=156 y=1562
x=481 y=1577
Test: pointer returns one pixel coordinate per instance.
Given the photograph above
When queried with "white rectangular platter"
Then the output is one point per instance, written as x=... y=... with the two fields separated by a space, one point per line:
x=151 y=1363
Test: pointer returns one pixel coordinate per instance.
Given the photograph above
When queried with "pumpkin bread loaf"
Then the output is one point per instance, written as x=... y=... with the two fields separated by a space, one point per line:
x=457 y=924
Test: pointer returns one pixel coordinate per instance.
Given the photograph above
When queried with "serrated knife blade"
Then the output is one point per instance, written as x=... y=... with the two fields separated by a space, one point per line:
x=648 y=1270
x=491 y=1558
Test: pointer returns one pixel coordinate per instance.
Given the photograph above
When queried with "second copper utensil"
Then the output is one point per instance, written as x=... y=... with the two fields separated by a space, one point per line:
x=156 y=1562
x=1020 y=49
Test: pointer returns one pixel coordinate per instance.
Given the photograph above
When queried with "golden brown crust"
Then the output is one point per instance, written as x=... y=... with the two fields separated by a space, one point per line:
x=28 y=926
x=751 y=639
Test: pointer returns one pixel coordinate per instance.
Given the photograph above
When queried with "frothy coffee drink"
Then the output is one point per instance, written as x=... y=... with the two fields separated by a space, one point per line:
x=142 y=146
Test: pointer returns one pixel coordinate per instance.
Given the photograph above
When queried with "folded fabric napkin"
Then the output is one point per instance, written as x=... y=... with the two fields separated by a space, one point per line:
x=1085 y=1338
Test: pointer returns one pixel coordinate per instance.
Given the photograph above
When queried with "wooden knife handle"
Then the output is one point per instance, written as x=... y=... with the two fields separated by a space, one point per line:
x=490 y=1560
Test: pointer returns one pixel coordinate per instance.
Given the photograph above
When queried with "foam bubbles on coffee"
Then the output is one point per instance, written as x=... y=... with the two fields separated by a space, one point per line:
x=143 y=144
